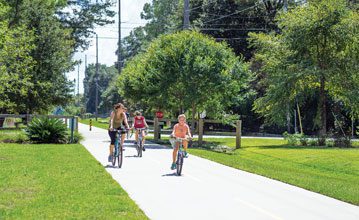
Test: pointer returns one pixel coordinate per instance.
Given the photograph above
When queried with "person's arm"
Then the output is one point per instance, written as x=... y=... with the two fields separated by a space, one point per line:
x=189 y=131
x=111 y=121
x=133 y=123
x=125 y=120
x=173 y=131
x=145 y=122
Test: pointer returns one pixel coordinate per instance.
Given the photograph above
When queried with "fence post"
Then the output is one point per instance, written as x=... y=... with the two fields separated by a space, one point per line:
x=72 y=123
x=168 y=123
x=200 y=132
x=238 y=133
x=77 y=123
x=155 y=128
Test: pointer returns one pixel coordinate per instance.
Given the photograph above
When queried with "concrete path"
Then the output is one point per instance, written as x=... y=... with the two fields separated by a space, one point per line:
x=208 y=190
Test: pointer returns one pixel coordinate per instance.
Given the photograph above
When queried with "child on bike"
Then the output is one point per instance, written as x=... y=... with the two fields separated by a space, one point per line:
x=117 y=119
x=180 y=130
x=139 y=122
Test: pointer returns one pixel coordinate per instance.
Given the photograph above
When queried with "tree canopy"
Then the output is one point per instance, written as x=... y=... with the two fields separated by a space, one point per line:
x=315 y=55
x=185 y=71
x=38 y=42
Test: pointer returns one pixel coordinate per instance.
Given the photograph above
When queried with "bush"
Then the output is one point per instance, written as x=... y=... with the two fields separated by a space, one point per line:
x=13 y=136
x=342 y=142
x=77 y=137
x=295 y=139
x=47 y=130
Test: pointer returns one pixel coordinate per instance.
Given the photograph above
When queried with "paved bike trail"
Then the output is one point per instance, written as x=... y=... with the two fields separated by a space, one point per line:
x=208 y=190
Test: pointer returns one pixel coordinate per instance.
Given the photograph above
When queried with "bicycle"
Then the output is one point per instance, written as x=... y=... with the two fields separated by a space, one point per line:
x=139 y=146
x=180 y=155
x=118 y=151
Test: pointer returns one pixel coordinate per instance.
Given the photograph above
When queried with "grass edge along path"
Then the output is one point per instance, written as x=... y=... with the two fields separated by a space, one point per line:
x=59 y=182
x=333 y=172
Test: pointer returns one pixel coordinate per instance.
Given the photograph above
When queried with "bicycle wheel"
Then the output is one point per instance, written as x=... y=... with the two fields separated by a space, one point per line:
x=179 y=163
x=139 y=147
x=115 y=153
x=120 y=156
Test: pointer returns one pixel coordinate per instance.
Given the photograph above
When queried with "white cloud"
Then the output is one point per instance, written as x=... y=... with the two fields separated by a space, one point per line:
x=131 y=10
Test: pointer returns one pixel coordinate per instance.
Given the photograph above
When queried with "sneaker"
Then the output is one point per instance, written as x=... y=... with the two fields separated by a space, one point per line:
x=173 y=166
x=186 y=154
x=109 y=158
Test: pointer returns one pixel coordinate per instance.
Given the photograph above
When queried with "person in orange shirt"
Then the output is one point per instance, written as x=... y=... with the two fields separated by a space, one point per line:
x=180 y=130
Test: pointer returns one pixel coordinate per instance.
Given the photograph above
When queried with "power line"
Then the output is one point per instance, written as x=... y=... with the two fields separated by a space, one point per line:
x=195 y=8
x=225 y=16
x=232 y=29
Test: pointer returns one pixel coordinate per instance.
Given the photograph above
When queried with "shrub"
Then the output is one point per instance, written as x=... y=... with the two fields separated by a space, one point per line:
x=47 y=130
x=342 y=142
x=295 y=139
x=77 y=137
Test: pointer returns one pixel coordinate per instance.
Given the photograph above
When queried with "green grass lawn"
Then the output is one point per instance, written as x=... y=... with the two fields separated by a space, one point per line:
x=59 y=182
x=330 y=171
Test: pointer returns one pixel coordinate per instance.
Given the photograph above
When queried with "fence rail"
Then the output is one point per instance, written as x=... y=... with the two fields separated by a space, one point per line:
x=201 y=122
x=72 y=121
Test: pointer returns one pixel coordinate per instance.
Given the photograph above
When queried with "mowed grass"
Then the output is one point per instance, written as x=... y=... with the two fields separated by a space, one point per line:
x=59 y=182
x=330 y=171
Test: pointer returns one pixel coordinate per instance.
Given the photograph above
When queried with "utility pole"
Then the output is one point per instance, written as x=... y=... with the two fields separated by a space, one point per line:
x=119 y=62
x=96 y=78
x=285 y=5
x=78 y=84
x=186 y=15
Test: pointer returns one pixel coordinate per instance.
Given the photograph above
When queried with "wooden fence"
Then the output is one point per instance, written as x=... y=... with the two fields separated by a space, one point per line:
x=201 y=122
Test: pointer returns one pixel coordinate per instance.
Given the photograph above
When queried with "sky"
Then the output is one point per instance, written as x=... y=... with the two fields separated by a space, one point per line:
x=131 y=10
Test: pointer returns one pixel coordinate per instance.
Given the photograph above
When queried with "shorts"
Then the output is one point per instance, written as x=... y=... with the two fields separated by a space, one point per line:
x=112 y=134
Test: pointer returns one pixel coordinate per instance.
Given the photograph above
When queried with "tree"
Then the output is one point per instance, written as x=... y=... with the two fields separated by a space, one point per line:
x=185 y=71
x=315 y=55
x=58 y=28
x=81 y=16
x=15 y=64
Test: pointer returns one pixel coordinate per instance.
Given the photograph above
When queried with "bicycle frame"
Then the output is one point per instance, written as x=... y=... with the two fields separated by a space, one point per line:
x=118 y=151
x=139 y=141
x=180 y=156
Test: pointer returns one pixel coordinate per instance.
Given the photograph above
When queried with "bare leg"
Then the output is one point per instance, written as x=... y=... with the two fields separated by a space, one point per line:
x=174 y=154
x=143 y=138
x=185 y=145
x=136 y=136
x=123 y=139
x=111 y=149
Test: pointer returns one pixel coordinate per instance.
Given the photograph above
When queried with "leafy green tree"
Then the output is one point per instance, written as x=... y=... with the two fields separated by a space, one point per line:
x=54 y=33
x=314 y=56
x=16 y=62
x=185 y=71
x=81 y=16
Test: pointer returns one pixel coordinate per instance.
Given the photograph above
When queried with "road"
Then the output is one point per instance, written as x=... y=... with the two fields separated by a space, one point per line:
x=208 y=190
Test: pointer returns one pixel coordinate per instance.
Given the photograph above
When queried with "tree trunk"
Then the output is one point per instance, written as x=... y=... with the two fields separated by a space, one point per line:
x=193 y=117
x=322 y=111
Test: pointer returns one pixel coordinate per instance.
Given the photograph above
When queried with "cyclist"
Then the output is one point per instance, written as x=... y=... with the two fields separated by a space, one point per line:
x=118 y=120
x=139 y=122
x=180 y=130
